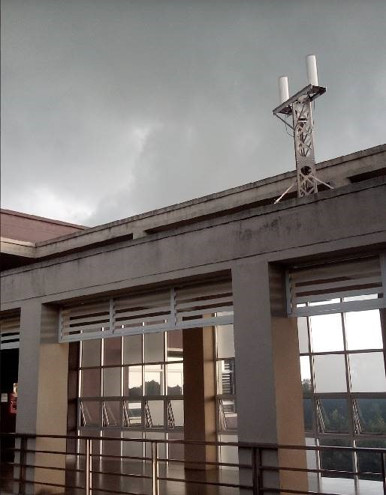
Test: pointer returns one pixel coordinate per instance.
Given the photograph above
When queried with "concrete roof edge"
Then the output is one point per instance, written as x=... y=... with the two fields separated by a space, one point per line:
x=352 y=156
x=258 y=211
x=213 y=196
x=41 y=219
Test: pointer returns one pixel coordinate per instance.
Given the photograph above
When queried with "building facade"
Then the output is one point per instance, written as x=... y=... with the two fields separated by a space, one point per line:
x=188 y=322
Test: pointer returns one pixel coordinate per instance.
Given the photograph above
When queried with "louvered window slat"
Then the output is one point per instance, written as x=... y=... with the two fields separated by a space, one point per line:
x=10 y=333
x=333 y=282
x=169 y=309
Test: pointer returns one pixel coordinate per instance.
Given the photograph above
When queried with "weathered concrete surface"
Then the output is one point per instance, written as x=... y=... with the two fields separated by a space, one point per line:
x=353 y=217
x=338 y=172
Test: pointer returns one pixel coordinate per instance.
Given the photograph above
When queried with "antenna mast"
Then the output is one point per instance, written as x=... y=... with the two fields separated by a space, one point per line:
x=299 y=107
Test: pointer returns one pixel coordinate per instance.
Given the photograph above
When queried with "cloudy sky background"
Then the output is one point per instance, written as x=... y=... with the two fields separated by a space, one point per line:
x=115 y=107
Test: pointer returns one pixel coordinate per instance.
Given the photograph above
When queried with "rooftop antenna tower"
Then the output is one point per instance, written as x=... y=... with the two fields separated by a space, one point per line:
x=299 y=108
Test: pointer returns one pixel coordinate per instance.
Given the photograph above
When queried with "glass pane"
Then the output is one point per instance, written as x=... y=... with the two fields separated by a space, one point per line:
x=154 y=379
x=154 y=413
x=134 y=446
x=176 y=450
x=336 y=460
x=226 y=453
x=175 y=345
x=369 y=462
x=154 y=347
x=226 y=376
x=91 y=383
x=326 y=333
x=330 y=375
x=132 y=349
x=305 y=374
x=363 y=330
x=307 y=410
x=333 y=416
x=112 y=381
x=90 y=413
x=112 y=352
x=372 y=415
x=134 y=377
x=175 y=378
x=132 y=414
x=91 y=353
x=111 y=413
x=156 y=435
x=112 y=447
x=225 y=341
x=175 y=413
x=303 y=335
x=227 y=414
x=367 y=372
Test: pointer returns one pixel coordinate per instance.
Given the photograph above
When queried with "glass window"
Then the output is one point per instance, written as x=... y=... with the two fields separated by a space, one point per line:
x=154 y=379
x=227 y=414
x=111 y=447
x=333 y=416
x=372 y=415
x=112 y=352
x=367 y=372
x=303 y=335
x=111 y=413
x=132 y=414
x=90 y=413
x=154 y=347
x=368 y=463
x=336 y=460
x=326 y=333
x=154 y=414
x=132 y=446
x=175 y=345
x=363 y=330
x=132 y=349
x=175 y=411
x=176 y=450
x=90 y=383
x=305 y=374
x=134 y=381
x=91 y=353
x=225 y=341
x=111 y=382
x=175 y=378
x=226 y=376
x=330 y=373
x=307 y=411
x=228 y=454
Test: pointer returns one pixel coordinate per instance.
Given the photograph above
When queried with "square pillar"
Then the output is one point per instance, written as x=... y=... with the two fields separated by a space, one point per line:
x=269 y=395
x=42 y=391
x=199 y=396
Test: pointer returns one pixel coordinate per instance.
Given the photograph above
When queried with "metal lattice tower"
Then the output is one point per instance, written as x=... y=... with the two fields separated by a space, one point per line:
x=299 y=107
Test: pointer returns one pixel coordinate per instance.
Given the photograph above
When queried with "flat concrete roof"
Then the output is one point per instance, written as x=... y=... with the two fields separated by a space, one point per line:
x=338 y=172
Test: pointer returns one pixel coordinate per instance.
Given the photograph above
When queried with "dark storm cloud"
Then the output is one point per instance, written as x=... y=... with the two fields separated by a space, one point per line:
x=112 y=108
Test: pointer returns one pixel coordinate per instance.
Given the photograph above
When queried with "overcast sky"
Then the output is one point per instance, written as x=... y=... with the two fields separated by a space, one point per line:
x=116 y=107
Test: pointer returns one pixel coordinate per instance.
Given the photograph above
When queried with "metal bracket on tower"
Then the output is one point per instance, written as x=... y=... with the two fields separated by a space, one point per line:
x=299 y=108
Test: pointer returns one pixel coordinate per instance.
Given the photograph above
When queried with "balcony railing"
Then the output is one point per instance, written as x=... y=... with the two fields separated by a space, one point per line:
x=86 y=465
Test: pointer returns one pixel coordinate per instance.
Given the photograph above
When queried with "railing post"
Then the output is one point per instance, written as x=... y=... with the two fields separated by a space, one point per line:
x=22 y=464
x=88 y=467
x=383 y=472
x=154 y=469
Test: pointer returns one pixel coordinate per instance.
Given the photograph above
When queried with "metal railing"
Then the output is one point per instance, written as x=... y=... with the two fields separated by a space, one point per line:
x=85 y=465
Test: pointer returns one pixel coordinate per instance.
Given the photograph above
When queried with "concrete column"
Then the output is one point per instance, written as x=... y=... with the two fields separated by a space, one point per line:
x=269 y=396
x=42 y=401
x=199 y=396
